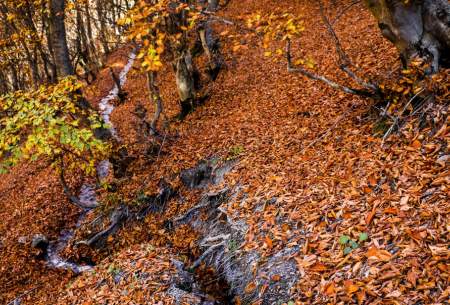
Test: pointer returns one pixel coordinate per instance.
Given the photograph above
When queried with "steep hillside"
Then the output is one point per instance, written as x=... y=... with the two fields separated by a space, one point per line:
x=299 y=199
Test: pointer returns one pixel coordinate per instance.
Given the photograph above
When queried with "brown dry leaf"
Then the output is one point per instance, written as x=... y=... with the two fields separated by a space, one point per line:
x=426 y=285
x=377 y=254
x=440 y=250
x=412 y=277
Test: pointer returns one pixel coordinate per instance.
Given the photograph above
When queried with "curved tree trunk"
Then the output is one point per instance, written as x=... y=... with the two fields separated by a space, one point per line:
x=185 y=82
x=418 y=28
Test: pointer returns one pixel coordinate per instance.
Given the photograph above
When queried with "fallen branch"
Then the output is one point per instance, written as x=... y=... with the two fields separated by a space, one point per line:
x=205 y=203
x=397 y=118
x=321 y=78
x=344 y=60
x=117 y=218
x=72 y=198
x=17 y=300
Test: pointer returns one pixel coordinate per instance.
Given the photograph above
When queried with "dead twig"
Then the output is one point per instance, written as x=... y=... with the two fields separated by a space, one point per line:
x=344 y=60
x=344 y=10
x=321 y=78
x=16 y=301
x=397 y=118
x=339 y=119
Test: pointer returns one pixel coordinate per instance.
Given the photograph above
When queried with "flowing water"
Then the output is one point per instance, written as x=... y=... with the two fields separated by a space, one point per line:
x=87 y=196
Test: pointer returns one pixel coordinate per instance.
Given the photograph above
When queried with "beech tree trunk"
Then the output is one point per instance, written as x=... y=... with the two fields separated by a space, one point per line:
x=418 y=28
x=185 y=82
x=59 y=40
x=213 y=5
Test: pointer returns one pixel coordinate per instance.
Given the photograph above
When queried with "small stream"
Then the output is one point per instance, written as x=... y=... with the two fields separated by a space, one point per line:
x=87 y=195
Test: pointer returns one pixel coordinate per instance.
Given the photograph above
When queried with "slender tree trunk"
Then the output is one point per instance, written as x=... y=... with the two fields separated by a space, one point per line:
x=211 y=49
x=91 y=37
x=15 y=78
x=156 y=98
x=59 y=39
x=4 y=86
x=213 y=5
x=47 y=30
x=102 y=20
x=418 y=28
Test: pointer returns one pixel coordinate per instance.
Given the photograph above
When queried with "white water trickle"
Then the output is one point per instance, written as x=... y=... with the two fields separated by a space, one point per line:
x=105 y=105
x=54 y=260
x=87 y=196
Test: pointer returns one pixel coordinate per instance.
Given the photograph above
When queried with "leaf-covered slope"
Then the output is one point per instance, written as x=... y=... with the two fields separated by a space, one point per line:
x=370 y=221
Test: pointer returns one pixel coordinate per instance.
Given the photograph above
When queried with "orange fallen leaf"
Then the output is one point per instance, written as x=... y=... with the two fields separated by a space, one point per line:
x=330 y=289
x=416 y=144
x=370 y=216
x=276 y=278
x=350 y=287
x=318 y=267
x=372 y=180
x=250 y=287
x=237 y=301
x=392 y=211
x=361 y=296
x=268 y=242
x=367 y=190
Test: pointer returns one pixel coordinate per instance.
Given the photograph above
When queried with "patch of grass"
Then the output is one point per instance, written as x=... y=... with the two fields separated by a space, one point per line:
x=232 y=245
x=235 y=151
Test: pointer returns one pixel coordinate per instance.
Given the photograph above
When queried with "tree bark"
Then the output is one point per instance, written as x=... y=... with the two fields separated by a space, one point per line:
x=103 y=29
x=185 y=82
x=418 y=28
x=156 y=98
x=59 y=40
x=213 y=5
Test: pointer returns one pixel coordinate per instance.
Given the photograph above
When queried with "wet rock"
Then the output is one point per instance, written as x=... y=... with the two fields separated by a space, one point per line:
x=103 y=133
x=197 y=177
x=88 y=197
x=220 y=244
x=39 y=241
x=205 y=173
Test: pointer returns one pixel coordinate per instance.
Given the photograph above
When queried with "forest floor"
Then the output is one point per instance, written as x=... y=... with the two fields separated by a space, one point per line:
x=311 y=170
